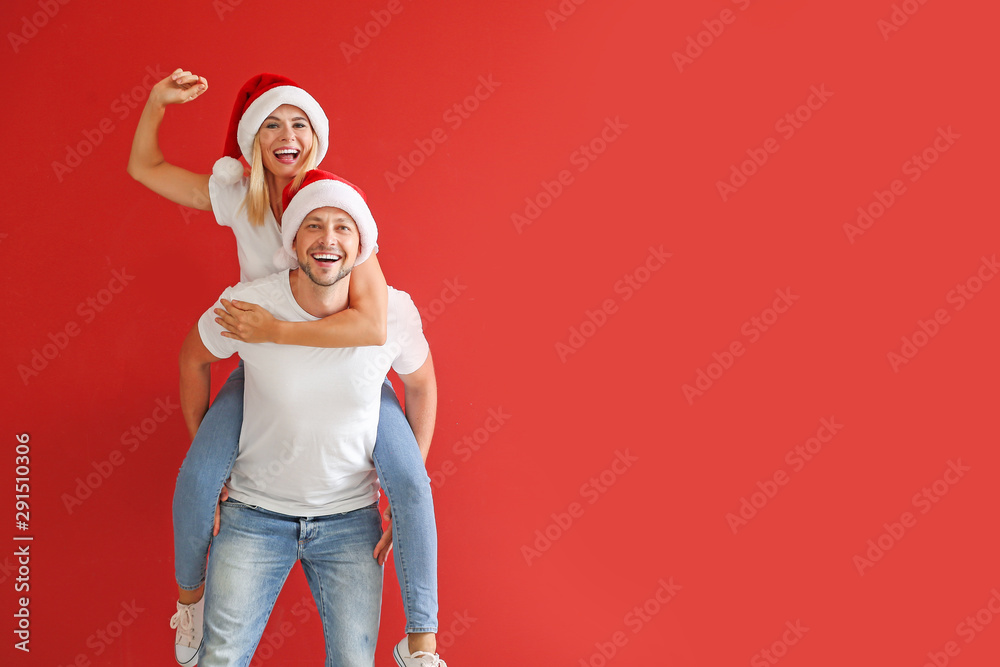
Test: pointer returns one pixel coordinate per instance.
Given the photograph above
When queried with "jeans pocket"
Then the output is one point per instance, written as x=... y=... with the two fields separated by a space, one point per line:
x=230 y=502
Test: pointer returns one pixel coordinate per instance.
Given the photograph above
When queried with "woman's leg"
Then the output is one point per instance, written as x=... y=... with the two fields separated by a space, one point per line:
x=404 y=479
x=205 y=469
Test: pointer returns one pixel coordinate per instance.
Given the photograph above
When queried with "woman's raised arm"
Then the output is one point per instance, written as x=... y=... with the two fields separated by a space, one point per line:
x=146 y=163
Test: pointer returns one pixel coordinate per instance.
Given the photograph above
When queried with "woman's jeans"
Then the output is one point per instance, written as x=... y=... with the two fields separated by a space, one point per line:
x=400 y=470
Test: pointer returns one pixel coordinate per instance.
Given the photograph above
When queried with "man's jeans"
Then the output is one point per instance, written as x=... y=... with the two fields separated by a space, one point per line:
x=251 y=558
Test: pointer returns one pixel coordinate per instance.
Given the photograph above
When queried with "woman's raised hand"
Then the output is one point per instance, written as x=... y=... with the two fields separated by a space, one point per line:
x=180 y=87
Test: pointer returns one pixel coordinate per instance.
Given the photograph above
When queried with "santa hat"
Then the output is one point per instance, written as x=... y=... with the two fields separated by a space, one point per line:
x=254 y=103
x=321 y=188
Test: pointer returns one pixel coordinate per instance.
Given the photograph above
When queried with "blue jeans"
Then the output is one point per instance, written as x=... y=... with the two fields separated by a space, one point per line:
x=397 y=462
x=252 y=556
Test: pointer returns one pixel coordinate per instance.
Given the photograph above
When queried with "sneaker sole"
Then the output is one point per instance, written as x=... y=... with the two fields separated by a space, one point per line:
x=397 y=656
x=194 y=660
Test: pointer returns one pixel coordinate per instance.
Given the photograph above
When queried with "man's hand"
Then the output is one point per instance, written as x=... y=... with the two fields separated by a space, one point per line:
x=222 y=496
x=246 y=322
x=384 y=545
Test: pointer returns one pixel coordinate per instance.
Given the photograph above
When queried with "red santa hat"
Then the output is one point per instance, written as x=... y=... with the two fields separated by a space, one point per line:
x=256 y=100
x=319 y=189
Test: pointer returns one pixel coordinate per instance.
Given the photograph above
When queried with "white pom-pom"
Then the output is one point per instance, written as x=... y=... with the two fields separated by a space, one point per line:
x=228 y=170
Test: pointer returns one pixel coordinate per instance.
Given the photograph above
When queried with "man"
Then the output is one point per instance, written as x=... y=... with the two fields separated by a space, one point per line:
x=304 y=486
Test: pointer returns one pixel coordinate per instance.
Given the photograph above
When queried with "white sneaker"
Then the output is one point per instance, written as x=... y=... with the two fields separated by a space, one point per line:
x=189 y=623
x=419 y=658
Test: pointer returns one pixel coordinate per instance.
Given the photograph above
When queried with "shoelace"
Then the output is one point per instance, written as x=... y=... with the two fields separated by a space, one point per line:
x=183 y=620
x=429 y=659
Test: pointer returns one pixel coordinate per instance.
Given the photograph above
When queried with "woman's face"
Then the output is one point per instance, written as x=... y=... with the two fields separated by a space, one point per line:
x=285 y=137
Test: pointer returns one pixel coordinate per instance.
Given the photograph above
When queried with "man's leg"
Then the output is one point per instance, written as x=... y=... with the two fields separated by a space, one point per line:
x=346 y=582
x=251 y=557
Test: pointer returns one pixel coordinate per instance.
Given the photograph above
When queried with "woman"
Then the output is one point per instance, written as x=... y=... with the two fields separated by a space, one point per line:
x=282 y=132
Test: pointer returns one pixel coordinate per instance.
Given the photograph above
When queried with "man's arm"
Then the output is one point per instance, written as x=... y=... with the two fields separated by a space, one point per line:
x=420 y=393
x=196 y=379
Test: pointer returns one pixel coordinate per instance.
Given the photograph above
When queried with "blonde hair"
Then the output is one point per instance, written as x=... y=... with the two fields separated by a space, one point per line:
x=258 y=200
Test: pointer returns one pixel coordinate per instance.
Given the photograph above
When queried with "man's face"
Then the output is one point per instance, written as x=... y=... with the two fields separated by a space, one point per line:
x=327 y=245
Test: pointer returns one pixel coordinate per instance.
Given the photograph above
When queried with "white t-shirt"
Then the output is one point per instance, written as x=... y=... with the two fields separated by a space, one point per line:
x=255 y=246
x=311 y=414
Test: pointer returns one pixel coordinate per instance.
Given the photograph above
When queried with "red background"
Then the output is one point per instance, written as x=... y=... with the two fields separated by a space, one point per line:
x=525 y=291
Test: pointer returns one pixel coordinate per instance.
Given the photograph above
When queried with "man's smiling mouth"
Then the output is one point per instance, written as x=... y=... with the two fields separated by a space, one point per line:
x=326 y=258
